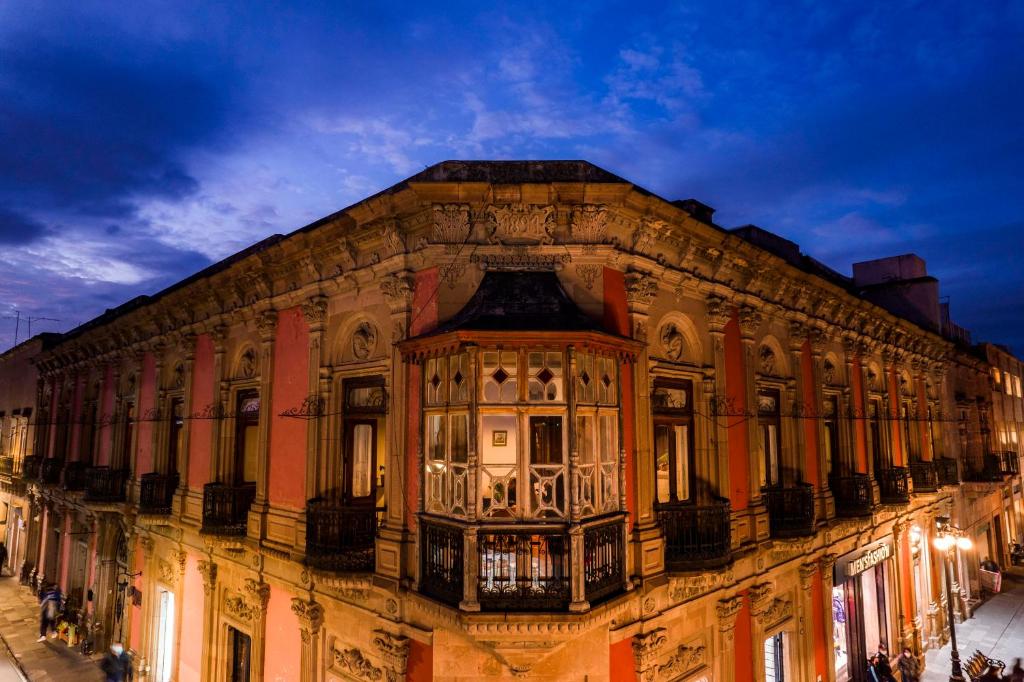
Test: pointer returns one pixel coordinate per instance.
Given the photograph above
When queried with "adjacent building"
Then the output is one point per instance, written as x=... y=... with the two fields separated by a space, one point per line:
x=515 y=419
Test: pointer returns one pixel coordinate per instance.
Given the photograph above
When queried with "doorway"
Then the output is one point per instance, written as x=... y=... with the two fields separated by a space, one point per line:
x=164 y=657
x=239 y=654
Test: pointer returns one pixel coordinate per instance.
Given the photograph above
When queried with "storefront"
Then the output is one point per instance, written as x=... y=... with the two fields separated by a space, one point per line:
x=862 y=607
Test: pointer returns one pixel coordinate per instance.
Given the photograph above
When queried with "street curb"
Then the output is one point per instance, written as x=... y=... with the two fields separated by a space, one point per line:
x=14 y=659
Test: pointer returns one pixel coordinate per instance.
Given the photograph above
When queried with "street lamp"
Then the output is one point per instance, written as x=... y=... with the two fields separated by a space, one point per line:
x=948 y=537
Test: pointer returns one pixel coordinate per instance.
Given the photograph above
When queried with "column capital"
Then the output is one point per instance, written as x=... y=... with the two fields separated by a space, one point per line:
x=645 y=653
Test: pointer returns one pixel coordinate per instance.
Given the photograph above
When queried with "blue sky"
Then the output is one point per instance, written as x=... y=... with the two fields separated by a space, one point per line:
x=139 y=142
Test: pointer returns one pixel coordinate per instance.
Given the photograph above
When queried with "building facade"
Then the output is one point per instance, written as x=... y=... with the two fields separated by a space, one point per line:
x=504 y=419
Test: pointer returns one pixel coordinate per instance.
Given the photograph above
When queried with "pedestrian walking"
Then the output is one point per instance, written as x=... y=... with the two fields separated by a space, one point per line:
x=49 y=607
x=910 y=669
x=883 y=669
x=117 y=664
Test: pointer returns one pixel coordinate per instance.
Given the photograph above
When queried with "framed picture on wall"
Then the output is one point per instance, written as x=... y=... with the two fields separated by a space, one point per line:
x=499 y=439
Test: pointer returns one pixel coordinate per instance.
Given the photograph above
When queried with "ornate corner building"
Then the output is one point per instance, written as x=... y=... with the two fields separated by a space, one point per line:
x=510 y=420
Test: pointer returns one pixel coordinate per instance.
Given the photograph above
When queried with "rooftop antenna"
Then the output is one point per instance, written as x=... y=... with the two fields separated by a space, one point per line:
x=28 y=318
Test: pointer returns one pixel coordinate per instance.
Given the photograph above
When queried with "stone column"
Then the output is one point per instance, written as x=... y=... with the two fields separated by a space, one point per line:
x=645 y=653
x=266 y=325
x=717 y=315
x=908 y=630
x=826 y=564
x=208 y=570
x=188 y=344
x=311 y=618
x=314 y=311
x=728 y=610
x=802 y=411
x=259 y=594
x=750 y=321
x=394 y=652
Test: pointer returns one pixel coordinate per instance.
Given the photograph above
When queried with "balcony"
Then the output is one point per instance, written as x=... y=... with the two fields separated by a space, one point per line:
x=523 y=567
x=50 y=470
x=76 y=476
x=893 y=485
x=340 y=537
x=947 y=470
x=1009 y=463
x=226 y=508
x=853 y=495
x=696 y=536
x=105 y=485
x=30 y=470
x=992 y=467
x=925 y=476
x=790 y=510
x=156 y=493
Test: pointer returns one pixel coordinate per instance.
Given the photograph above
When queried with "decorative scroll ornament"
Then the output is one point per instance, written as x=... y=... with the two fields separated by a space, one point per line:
x=312 y=407
x=645 y=652
x=260 y=591
x=775 y=612
x=394 y=650
x=310 y=614
x=168 y=574
x=828 y=372
x=266 y=323
x=522 y=224
x=364 y=340
x=588 y=273
x=393 y=242
x=352 y=662
x=314 y=310
x=396 y=288
x=451 y=226
x=589 y=224
x=750 y=320
x=686 y=658
x=208 y=570
x=236 y=606
x=641 y=288
x=673 y=343
x=718 y=313
x=768 y=361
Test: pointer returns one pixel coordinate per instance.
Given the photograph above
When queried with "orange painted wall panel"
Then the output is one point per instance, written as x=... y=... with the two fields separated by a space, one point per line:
x=192 y=616
x=616 y=314
x=144 y=427
x=291 y=386
x=736 y=395
x=282 y=661
x=200 y=430
x=421 y=662
x=812 y=472
x=860 y=427
x=106 y=414
x=621 y=665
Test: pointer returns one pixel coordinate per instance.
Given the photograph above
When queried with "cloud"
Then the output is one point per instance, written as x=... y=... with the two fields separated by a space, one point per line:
x=16 y=228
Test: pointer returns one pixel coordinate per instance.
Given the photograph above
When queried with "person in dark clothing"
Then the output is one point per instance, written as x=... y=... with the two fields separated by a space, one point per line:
x=117 y=664
x=49 y=607
x=989 y=565
x=882 y=667
x=910 y=669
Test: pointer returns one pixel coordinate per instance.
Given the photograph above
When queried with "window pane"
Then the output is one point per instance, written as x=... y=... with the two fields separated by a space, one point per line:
x=585 y=439
x=663 y=445
x=682 y=444
x=609 y=446
x=545 y=440
x=459 y=450
x=362 y=459
x=435 y=437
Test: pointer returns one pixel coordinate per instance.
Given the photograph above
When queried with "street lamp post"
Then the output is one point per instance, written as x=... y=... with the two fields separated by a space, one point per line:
x=947 y=539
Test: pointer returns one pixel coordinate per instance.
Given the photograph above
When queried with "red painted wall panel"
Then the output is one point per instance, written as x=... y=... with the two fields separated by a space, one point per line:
x=822 y=652
x=421 y=662
x=282 y=661
x=287 y=483
x=200 y=430
x=106 y=415
x=736 y=394
x=616 y=314
x=144 y=426
x=744 y=643
x=192 y=616
x=621 y=665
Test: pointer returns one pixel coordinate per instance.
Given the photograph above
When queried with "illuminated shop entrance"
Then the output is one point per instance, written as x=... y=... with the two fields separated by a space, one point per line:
x=861 y=608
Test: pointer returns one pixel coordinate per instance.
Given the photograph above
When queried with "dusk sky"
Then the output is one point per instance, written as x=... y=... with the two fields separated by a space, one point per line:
x=140 y=142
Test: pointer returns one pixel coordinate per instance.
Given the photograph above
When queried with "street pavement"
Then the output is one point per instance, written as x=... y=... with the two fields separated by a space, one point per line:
x=996 y=630
x=49 y=661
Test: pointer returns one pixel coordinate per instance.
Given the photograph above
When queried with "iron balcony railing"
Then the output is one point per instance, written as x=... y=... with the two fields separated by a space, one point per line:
x=340 y=537
x=104 y=484
x=992 y=467
x=7 y=467
x=925 y=476
x=696 y=535
x=522 y=567
x=853 y=495
x=30 y=471
x=50 y=470
x=226 y=508
x=947 y=470
x=156 y=492
x=1009 y=463
x=892 y=485
x=790 y=510
x=76 y=476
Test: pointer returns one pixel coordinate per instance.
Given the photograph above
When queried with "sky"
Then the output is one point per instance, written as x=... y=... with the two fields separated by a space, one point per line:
x=140 y=142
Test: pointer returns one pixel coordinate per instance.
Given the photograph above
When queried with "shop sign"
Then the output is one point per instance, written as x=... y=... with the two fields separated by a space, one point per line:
x=861 y=559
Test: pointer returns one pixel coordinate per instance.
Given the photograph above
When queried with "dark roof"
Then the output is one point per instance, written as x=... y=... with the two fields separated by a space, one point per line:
x=520 y=301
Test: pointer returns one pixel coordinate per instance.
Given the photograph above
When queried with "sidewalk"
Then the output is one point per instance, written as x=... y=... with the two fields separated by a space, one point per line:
x=40 y=661
x=997 y=630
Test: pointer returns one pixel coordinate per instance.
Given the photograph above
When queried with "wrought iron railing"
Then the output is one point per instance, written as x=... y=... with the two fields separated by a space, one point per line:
x=790 y=510
x=989 y=467
x=1009 y=463
x=947 y=470
x=7 y=466
x=892 y=485
x=925 y=477
x=853 y=494
x=441 y=561
x=340 y=537
x=156 y=493
x=226 y=508
x=76 y=476
x=696 y=536
x=50 y=470
x=604 y=560
x=30 y=470
x=104 y=484
x=523 y=569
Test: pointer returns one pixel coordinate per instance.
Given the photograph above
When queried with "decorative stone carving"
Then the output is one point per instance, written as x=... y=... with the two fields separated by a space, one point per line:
x=266 y=324
x=237 y=607
x=807 y=572
x=687 y=657
x=310 y=614
x=872 y=377
x=451 y=225
x=727 y=611
x=178 y=376
x=522 y=224
x=521 y=260
x=776 y=611
x=589 y=225
x=352 y=662
x=168 y=574
x=260 y=592
x=641 y=288
x=689 y=587
x=247 y=364
x=750 y=320
x=394 y=650
x=208 y=570
x=396 y=288
x=718 y=313
x=588 y=273
x=768 y=361
x=364 y=341
x=393 y=242
x=828 y=372
x=314 y=310
x=673 y=343
x=645 y=652
x=147 y=547
x=452 y=273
